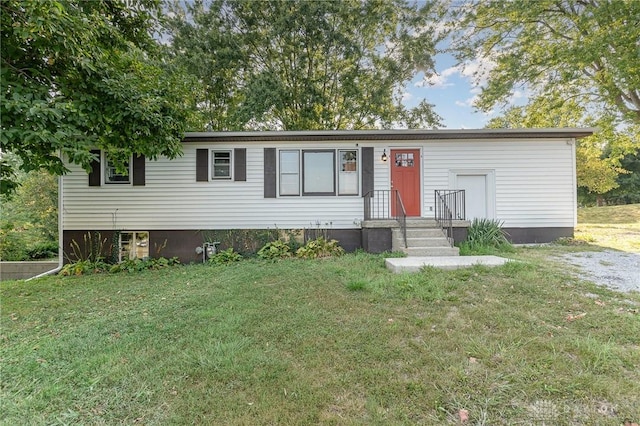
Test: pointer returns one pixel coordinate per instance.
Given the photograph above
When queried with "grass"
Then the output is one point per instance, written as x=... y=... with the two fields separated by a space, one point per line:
x=616 y=227
x=334 y=341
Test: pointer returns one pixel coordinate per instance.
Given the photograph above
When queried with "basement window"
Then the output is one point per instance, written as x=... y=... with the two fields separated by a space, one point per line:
x=133 y=245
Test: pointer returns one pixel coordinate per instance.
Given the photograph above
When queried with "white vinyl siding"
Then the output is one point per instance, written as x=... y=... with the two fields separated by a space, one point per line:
x=172 y=199
x=534 y=187
x=534 y=180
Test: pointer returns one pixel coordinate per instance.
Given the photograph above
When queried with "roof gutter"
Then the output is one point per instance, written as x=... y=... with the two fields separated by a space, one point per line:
x=380 y=135
x=60 y=237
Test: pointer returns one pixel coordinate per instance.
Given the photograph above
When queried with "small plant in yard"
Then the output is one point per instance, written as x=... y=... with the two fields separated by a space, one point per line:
x=485 y=236
x=320 y=247
x=136 y=265
x=275 y=250
x=87 y=259
x=571 y=241
x=225 y=257
x=84 y=267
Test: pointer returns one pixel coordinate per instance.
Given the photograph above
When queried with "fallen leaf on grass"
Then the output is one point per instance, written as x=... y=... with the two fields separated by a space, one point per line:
x=463 y=415
x=599 y=303
x=628 y=423
x=575 y=317
x=473 y=360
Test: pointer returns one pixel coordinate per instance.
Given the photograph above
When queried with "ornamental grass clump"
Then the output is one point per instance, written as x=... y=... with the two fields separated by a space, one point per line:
x=485 y=236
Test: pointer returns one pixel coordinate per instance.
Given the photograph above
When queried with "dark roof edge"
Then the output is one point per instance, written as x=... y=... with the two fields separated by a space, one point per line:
x=333 y=135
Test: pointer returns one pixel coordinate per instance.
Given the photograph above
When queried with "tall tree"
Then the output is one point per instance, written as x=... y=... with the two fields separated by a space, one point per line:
x=79 y=74
x=304 y=64
x=575 y=49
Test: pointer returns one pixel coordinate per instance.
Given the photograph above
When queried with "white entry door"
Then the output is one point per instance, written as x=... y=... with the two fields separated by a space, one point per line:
x=475 y=193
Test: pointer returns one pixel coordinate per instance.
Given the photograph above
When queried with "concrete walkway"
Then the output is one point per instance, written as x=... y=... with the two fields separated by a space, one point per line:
x=413 y=264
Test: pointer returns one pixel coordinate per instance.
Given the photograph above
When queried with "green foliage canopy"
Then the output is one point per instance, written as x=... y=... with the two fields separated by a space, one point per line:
x=304 y=64
x=81 y=74
x=587 y=50
x=29 y=218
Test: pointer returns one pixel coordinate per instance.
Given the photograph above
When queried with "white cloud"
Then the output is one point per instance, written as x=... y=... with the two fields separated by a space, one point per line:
x=406 y=96
x=477 y=71
x=438 y=80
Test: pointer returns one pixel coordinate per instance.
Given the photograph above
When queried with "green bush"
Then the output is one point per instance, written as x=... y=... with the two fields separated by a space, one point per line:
x=84 y=267
x=136 y=265
x=43 y=250
x=275 y=250
x=12 y=244
x=320 y=247
x=225 y=257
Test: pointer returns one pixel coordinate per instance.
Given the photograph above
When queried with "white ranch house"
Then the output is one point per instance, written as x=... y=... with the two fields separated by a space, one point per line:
x=350 y=182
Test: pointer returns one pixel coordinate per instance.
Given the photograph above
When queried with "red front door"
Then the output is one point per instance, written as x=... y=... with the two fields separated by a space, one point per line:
x=405 y=177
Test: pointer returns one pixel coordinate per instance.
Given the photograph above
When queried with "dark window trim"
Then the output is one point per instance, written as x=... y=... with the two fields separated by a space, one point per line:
x=367 y=169
x=270 y=173
x=95 y=176
x=240 y=164
x=139 y=170
x=202 y=165
x=333 y=165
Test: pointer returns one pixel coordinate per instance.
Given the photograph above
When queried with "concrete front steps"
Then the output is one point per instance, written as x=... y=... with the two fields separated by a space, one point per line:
x=424 y=238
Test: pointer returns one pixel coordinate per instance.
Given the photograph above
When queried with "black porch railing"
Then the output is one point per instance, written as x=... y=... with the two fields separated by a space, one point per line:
x=384 y=204
x=449 y=206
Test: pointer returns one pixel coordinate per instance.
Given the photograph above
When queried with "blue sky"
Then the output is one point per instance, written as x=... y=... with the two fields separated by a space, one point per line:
x=452 y=92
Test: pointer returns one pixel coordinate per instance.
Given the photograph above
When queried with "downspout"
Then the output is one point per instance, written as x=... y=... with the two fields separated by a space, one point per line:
x=60 y=236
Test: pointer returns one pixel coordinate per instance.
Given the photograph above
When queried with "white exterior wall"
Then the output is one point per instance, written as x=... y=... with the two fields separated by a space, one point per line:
x=172 y=199
x=535 y=184
x=534 y=187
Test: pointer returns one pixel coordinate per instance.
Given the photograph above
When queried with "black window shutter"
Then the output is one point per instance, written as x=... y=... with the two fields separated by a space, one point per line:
x=202 y=165
x=367 y=170
x=269 y=173
x=240 y=164
x=94 y=175
x=138 y=170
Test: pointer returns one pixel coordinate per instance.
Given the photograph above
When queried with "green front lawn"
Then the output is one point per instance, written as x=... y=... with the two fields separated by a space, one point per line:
x=337 y=341
x=616 y=227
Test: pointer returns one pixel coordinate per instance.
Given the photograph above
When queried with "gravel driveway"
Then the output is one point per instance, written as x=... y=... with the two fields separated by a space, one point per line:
x=617 y=270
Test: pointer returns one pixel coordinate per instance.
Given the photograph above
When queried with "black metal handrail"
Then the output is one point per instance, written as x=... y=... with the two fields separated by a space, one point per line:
x=449 y=205
x=385 y=204
x=401 y=216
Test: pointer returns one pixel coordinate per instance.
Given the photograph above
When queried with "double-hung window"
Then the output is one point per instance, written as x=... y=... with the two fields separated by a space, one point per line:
x=316 y=172
x=221 y=164
x=290 y=172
